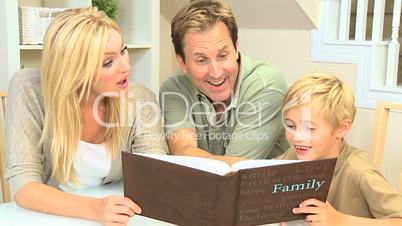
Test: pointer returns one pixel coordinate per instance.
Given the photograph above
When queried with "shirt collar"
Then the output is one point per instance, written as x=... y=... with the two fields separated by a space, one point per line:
x=345 y=152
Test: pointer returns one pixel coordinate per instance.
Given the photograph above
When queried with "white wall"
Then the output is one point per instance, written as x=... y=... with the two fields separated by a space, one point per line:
x=288 y=50
x=167 y=60
x=8 y=13
x=3 y=49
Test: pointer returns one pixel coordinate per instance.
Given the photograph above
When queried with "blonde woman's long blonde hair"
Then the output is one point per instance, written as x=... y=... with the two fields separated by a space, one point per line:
x=73 y=50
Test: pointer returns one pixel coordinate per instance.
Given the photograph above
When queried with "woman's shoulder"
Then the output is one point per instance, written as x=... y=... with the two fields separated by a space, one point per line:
x=138 y=92
x=27 y=77
x=26 y=85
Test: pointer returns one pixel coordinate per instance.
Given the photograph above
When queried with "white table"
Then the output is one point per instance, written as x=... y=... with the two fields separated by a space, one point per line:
x=13 y=215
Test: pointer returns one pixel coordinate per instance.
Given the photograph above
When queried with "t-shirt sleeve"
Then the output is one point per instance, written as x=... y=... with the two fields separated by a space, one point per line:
x=259 y=127
x=383 y=200
x=174 y=105
x=259 y=132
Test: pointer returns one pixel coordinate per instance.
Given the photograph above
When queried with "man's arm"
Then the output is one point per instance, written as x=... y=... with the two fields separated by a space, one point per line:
x=184 y=142
x=181 y=134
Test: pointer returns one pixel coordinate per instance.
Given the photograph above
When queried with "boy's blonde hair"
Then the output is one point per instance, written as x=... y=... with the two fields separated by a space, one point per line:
x=325 y=92
x=73 y=50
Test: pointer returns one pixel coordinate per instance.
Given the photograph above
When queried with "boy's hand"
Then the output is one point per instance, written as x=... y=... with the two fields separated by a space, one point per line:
x=319 y=213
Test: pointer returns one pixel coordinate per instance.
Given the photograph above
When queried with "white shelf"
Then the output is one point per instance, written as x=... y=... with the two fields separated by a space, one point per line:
x=138 y=19
x=139 y=46
x=30 y=47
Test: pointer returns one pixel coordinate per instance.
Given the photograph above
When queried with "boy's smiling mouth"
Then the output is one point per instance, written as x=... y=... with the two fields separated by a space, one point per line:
x=301 y=150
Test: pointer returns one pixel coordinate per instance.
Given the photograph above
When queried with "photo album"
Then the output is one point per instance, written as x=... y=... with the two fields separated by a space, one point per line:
x=188 y=190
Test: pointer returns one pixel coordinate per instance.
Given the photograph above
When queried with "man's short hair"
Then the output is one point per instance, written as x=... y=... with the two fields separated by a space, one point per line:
x=325 y=92
x=198 y=16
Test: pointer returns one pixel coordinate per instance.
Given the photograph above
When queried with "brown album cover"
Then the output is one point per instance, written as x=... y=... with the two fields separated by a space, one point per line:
x=194 y=191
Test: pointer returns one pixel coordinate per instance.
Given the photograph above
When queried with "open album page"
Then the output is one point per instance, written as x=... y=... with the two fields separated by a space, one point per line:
x=204 y=164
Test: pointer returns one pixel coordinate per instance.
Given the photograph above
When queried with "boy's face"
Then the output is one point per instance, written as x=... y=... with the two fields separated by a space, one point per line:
x=310 y=136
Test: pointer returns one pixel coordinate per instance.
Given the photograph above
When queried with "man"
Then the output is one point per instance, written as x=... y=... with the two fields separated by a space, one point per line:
x=225 y=106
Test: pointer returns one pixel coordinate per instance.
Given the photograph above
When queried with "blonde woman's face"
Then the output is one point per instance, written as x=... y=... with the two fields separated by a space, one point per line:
x=115 y=67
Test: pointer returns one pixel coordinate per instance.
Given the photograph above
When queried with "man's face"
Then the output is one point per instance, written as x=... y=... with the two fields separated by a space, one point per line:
x=211 y=62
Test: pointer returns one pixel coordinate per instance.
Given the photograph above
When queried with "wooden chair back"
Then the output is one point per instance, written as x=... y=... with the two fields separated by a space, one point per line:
x=4 y=184
x=380 y=132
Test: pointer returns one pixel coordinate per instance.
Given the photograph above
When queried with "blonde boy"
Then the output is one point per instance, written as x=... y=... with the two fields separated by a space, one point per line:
x=318 y=113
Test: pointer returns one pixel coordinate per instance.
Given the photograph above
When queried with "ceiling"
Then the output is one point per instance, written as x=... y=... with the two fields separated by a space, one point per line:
x=263 y=14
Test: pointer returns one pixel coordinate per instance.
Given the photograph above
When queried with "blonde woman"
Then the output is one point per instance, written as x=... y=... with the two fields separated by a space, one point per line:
x=68 y=123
